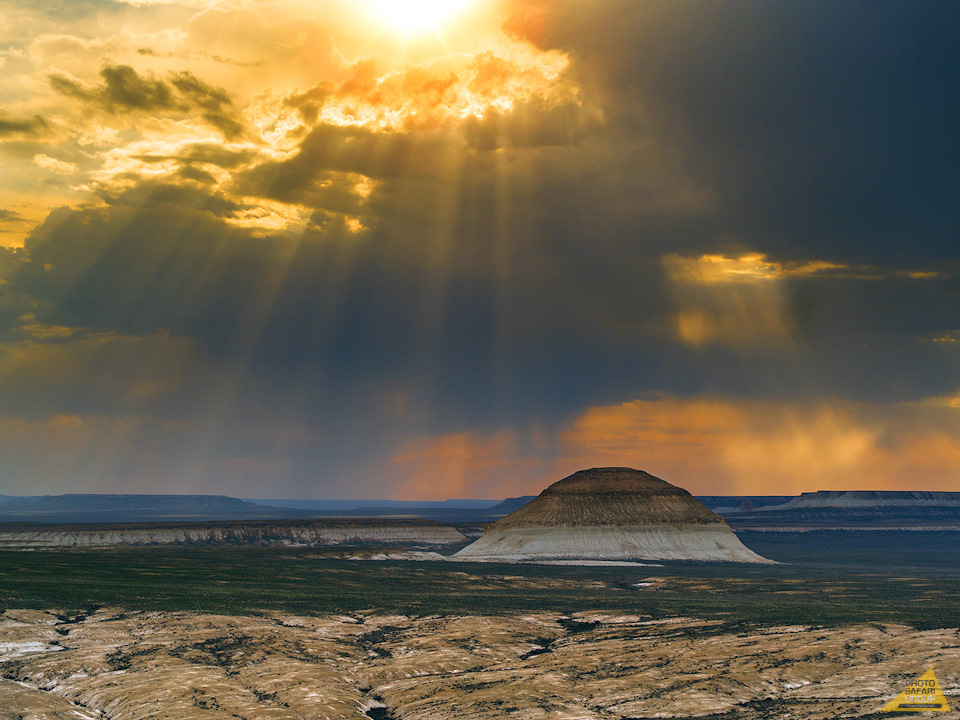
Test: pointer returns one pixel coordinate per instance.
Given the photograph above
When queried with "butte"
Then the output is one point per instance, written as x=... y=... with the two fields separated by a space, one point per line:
x=611 y=513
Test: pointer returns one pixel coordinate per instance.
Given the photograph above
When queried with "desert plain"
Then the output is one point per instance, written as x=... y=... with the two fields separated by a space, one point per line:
x=841 y=625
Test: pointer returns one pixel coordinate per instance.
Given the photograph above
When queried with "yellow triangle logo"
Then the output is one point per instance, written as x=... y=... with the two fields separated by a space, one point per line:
x=923 y=695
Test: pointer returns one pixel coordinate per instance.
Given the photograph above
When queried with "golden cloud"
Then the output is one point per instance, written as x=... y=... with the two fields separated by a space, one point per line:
x=742 y=447
x=951 y=401
x=740 y=300
x=428 y=96
x=707 y=445
x=734 y=301
x=463 y=465
x=60 y=167
x=948 y=338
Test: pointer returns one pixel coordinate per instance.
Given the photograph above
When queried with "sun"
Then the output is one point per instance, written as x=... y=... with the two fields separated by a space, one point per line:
x=413 y=17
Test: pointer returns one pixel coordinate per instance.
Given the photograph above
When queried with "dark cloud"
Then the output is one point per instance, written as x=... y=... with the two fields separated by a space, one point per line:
x=97 y=373
x=189 y=172
x=483 y=314
x=328 y=149
x=309 y=102
x=206 y=153
x=527 y=283
x=826 y=127
x=15 y=304
x=529 y=125
x=338 y=313
x=35 y=125
x=509 y=270
x=125 y=90
x=9 y=216
x=215 y=103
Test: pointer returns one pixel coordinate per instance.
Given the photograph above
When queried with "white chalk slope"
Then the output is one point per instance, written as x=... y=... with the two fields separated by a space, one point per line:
x=612 y=514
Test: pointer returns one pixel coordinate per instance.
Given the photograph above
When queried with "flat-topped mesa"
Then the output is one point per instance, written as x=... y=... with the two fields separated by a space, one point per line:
x=611 y=514
x=871 y=499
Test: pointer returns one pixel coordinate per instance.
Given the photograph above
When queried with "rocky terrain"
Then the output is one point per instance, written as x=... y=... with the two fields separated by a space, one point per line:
x=415 y=533
x=611 y=513
x=157 y=665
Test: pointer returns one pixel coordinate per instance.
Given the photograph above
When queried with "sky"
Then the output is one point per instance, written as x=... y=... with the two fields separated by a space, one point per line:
x=426 y=250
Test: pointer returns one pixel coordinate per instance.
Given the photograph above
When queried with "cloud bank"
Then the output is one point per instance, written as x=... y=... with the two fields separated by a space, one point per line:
x=276 y=243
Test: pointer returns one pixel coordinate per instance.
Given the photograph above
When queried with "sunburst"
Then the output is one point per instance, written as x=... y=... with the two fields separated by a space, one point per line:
x=416 y=17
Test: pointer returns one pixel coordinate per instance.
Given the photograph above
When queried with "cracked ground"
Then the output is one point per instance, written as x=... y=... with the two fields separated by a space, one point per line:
x=162 y=665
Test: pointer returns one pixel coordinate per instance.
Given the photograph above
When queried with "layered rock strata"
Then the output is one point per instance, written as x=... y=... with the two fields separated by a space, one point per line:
x=611 y=514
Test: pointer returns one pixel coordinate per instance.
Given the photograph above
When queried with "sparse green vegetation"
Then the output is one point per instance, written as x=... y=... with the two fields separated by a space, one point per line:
x=832 y=579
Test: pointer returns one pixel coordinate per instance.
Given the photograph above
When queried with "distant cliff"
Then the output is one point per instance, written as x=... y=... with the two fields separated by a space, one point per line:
x=871 y=499
x=322 y=532
x=126 y=508
x=856 y=509
x=133 y=508
x=510 y=505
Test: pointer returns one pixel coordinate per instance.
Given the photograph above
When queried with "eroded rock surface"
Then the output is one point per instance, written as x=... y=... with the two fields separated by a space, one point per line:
x=150 y=665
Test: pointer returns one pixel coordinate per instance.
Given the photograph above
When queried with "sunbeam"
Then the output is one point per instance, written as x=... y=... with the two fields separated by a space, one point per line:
x=415 y=17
